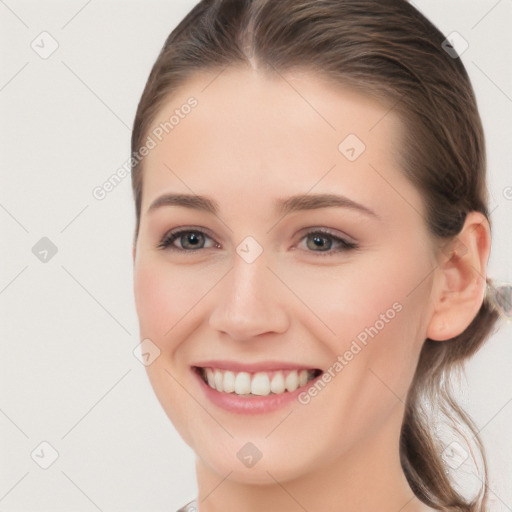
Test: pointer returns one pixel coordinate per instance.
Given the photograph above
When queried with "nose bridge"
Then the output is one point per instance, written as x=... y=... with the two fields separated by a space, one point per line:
x=248 y=301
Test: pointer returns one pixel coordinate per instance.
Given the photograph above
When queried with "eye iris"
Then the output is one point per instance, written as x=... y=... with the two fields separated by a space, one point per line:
x=318 y=242
x=193 y=237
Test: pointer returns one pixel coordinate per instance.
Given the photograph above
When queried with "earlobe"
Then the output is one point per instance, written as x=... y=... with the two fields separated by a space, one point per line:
x=460 y=279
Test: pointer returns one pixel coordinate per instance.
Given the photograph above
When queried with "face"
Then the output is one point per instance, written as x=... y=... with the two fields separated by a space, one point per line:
x=266 y=292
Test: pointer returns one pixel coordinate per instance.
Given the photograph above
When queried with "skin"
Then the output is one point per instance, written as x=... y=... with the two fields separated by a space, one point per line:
x=254 y=138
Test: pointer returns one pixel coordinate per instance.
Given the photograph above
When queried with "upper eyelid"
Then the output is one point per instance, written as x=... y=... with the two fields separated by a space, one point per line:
x=179 y=231
x=329 y=232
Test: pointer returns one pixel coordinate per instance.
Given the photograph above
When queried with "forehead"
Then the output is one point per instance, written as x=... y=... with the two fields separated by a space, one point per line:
x=242 y=101
x=258 y=135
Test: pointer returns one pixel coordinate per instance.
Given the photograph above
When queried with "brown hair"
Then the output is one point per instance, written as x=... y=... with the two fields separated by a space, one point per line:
x=387 y=49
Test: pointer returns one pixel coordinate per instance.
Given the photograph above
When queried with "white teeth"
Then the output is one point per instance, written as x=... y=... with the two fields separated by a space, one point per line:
x=277 y=384
x=242 y=383
x=210 y=377
x=219 y=380
x=292 y=381
x=259 y=383
x=229 y=382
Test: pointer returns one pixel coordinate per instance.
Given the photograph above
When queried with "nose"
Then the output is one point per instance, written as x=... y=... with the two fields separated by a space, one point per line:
x=248 y=301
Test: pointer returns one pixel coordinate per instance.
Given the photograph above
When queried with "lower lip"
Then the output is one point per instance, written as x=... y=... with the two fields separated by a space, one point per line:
x=251 y=404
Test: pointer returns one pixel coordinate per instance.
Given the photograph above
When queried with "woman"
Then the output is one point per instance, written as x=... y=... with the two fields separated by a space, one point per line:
x=310 y=253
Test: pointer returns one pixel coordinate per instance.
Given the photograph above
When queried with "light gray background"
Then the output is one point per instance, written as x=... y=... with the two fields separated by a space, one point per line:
x=68 y=326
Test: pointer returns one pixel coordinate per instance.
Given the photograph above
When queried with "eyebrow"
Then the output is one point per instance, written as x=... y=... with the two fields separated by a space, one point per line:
x=283 y=206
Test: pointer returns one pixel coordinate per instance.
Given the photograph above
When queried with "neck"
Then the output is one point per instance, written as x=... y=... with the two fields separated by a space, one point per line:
x=369 y=477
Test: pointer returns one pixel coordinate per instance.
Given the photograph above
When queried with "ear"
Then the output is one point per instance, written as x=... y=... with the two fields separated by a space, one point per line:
x=460 y=279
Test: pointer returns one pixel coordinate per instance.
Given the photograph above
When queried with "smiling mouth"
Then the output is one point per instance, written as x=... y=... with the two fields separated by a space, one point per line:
x=256 y=383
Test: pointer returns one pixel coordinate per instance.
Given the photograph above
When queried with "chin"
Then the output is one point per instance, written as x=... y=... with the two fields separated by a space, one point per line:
x=273 y=464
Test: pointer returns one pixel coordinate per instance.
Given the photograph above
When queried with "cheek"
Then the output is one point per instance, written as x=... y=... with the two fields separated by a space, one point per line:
x=340 y=302
x=375 y=310
x=381 y=324
x=377 y=314
x=168 y=298
x=160 y=298
x=151 y=299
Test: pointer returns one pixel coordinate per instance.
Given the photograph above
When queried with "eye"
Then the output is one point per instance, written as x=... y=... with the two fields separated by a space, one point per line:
x=322 y=241
x=319 y=241
x=190 y=239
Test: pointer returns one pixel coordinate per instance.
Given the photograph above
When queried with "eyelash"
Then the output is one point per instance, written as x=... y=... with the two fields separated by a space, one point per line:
x=169 y=238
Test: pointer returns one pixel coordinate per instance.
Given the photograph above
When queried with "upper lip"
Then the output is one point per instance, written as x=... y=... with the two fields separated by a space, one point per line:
x=253 y=367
